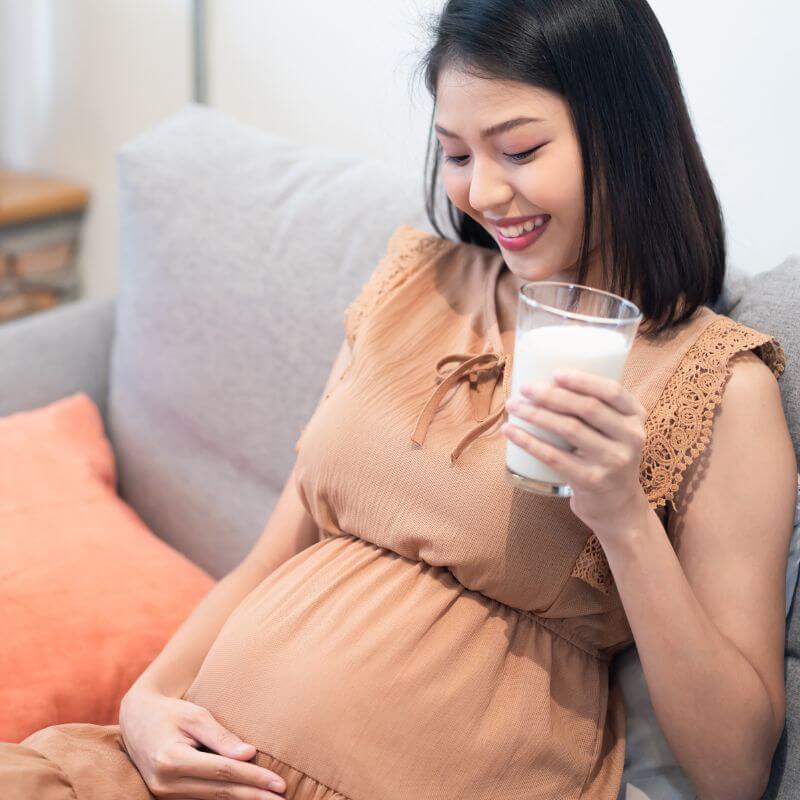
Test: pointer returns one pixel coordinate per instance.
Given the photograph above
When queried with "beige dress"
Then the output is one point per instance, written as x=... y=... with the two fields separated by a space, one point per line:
x=448 y=635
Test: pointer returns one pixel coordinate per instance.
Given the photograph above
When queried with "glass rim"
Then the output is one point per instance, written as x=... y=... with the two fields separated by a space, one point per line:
x=616 y=321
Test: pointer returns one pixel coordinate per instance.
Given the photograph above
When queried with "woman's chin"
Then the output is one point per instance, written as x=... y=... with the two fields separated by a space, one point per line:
x=532 y=269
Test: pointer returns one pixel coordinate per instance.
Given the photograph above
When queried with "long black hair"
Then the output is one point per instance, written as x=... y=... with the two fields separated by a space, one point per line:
x=611 y=63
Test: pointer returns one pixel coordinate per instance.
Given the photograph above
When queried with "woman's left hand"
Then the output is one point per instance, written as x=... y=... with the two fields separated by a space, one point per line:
x=605 y=424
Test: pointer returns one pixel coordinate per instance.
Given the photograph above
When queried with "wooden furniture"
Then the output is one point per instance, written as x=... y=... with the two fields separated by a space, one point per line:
x=40 y=223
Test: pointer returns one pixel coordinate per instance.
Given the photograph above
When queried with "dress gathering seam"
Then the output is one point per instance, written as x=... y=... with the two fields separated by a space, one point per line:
x=554 y=626
x=303 y=773
x=602 y=708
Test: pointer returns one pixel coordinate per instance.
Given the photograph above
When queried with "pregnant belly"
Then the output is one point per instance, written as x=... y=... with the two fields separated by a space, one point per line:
x=384 y=677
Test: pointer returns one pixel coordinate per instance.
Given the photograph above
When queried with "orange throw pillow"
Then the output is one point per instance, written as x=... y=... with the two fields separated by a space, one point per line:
x=88 y=595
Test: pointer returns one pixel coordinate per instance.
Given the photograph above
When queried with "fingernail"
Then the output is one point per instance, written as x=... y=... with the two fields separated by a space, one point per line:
x=277 y=786
x=241 y=749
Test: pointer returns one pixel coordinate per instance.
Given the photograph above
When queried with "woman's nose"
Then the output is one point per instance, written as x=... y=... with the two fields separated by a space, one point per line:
x=488 y=188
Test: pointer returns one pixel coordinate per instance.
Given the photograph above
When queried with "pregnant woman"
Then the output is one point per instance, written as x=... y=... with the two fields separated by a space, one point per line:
x=409 y=626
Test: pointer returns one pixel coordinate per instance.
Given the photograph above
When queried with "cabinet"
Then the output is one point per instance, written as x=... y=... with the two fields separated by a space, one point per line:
x=40 y=224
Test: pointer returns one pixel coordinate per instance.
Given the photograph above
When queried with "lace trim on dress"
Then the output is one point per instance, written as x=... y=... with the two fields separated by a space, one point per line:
x=679 y=426
x=407 y=248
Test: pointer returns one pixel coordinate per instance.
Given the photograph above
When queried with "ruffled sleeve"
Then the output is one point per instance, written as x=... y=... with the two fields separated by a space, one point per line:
x=679 y=426
x=406 y=250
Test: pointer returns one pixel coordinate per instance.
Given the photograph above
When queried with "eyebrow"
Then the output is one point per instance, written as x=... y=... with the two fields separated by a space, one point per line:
x=501 y=127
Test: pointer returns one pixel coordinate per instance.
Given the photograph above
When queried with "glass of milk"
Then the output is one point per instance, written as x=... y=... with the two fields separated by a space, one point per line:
x=563 y=326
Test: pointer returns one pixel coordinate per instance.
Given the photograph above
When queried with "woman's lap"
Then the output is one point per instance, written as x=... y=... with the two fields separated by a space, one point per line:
x=81 y=761
x=73 y=761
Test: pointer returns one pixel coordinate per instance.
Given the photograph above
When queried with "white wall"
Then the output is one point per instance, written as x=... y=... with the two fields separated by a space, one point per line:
x=314 y=71
x=80 y=77
x=739 y=63
x=337 y=73
x=77 y=79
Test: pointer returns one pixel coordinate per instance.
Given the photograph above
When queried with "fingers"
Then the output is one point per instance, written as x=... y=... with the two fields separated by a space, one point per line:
x=581 y=436
x=214 y=790
x=571 y=467
x=228 y=761
x=607 y=390
x=592 y=410
x=200 y=723
x=213 y=767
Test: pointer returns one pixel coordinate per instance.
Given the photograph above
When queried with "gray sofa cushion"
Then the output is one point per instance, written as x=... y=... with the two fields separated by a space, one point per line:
x=57 y=352
x=771 y=303
x=239 y=253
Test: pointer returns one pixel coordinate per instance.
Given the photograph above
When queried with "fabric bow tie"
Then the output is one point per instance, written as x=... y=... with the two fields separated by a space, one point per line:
x=471 y=365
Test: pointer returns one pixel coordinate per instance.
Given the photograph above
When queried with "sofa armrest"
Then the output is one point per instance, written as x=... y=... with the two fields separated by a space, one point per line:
x=54 y=353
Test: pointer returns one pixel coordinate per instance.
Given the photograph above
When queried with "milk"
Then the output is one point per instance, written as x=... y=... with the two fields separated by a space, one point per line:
x=538 y=352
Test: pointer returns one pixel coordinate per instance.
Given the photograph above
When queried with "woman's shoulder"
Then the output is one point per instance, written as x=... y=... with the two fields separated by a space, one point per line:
x=708 y=340
x=407 y=241
x=751 y=458
x=406 y=250
x=724 y=342
x=751 y=362
x=721 y=358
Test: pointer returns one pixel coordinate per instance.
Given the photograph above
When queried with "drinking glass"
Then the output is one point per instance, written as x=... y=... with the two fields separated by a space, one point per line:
x=563 y=326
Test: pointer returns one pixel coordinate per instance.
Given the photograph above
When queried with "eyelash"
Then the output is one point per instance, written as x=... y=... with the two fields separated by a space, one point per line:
x=515 y=156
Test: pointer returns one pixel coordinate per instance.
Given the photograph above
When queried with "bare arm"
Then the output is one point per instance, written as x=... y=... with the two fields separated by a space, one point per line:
x=289 y=530
x=709 y=616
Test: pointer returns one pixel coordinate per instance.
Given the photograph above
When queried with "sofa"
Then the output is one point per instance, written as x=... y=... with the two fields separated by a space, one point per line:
x=239 y=252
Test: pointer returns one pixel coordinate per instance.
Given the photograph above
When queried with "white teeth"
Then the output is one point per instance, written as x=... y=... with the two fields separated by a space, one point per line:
x=517 y=230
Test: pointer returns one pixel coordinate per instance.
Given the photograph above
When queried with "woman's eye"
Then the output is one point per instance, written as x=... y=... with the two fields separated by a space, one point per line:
x=459 y=160
x=522 y=156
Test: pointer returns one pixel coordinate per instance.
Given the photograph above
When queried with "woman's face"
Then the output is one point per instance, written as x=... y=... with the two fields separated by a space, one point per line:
x=495 y=176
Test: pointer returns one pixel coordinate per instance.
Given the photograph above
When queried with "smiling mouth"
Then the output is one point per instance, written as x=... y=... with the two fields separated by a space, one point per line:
x=513 y=231
x=524 y=240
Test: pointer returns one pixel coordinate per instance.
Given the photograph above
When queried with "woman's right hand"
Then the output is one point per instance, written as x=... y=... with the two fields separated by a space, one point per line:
x=162 y=735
